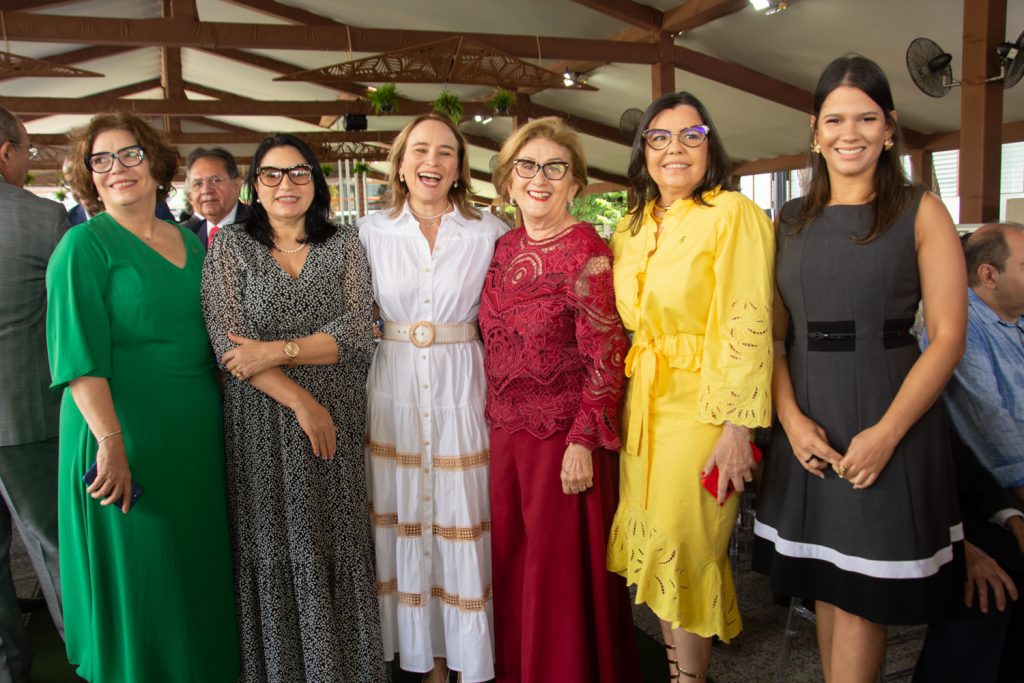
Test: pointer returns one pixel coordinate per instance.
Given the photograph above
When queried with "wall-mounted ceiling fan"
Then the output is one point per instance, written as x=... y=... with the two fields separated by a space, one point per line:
x=931 y=68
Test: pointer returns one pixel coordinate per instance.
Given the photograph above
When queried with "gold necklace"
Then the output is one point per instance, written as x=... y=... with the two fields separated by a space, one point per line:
x=430 y=218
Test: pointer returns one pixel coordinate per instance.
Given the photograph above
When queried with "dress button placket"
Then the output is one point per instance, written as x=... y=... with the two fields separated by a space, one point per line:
x=426 y=312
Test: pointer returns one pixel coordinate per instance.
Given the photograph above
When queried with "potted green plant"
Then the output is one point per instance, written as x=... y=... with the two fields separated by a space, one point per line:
x=360 y=167
x=384 y=99
x=328 y=170
x=449 y=104
x=502 y=101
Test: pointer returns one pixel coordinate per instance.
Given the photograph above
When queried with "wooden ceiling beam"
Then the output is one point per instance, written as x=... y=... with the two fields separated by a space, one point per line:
x=642 y=16
x=233 y=97
x=279 y=67
x=179 y=32
x=271 y=8
x=694 y=13
x=244 y=138
x=742 y=78
x=583 y=125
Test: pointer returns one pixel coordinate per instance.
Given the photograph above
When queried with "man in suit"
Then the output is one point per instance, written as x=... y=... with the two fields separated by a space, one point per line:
x=213 y=188
x=30 y=228
x=981 y=640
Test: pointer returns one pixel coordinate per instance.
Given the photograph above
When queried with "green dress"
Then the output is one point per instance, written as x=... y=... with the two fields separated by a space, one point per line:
x=148 y=596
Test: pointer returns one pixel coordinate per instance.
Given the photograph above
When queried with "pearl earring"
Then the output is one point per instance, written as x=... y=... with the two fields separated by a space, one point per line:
x=401 y=177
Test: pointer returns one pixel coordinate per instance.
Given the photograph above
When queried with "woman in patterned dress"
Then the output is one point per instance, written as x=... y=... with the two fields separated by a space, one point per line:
x=288 y=307
x=428 y=252
x=858 y=506
x=554 y=351
x=693 y=264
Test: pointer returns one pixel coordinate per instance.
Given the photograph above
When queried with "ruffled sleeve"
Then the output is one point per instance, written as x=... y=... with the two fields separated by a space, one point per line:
x=353 y=329
x=221 y=291
x=736 y=366
x=602 y=347
x=77 y=320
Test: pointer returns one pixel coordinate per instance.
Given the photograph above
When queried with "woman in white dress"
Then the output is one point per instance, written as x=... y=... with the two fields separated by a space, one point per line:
x=428 y=450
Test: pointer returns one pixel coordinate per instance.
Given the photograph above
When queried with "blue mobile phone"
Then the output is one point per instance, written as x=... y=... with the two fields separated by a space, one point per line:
x=90 y=476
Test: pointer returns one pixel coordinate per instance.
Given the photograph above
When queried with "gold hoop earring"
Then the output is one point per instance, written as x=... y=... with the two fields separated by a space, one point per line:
x=512 y=201
x=888 y=144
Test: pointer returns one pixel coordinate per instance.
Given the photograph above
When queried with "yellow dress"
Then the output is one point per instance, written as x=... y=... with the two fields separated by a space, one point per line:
x=697 y=300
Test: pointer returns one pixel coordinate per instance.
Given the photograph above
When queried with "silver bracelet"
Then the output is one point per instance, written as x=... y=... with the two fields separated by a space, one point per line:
x=107 y=436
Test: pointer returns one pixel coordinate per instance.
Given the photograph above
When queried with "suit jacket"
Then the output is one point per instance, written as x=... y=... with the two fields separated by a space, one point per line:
x=30 y=228
x=200 y=226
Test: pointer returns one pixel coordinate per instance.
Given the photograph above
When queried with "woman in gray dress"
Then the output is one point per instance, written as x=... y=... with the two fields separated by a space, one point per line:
x=287 y=301
x=857 y=508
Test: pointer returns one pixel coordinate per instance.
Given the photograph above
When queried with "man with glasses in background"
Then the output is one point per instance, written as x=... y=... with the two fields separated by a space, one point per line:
x=213 y=188
x=30 y=228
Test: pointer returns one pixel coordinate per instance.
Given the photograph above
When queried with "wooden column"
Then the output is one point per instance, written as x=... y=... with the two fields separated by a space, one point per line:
x=663 y=72
x=981 y=111
x=922 y=169
x=521 y=116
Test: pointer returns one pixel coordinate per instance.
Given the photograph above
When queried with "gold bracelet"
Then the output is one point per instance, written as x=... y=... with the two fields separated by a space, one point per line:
x=107 y=436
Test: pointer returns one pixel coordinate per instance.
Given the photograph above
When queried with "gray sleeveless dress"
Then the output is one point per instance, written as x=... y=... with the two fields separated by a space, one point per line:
x=891 y=553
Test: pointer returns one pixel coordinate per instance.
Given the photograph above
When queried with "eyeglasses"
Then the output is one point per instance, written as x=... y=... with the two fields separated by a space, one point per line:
x=271 y=176
x=553 y=170
x=103 y=162
x=213 y=181
x=694 y=136
x=33 y=151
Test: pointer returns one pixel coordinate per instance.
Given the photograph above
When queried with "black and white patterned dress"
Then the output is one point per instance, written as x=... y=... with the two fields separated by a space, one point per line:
x=303 y=554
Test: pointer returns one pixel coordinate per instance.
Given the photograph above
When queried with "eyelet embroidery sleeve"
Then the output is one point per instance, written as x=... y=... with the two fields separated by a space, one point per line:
x=736 y=367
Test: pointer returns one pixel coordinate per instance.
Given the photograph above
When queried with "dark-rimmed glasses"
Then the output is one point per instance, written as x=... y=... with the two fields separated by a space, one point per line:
x=694 y=136
x=271 y=176
x=528 y=168
x=103 y=162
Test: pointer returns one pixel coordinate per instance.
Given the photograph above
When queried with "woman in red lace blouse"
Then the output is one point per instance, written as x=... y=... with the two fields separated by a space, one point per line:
x=554 y=350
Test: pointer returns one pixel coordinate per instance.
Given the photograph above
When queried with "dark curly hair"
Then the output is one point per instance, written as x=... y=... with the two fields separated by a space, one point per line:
x=161 y=155
x=642 y=187
x=319 y=227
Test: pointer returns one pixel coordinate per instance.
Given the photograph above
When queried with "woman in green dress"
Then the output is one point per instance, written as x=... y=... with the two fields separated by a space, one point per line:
x=147 y=588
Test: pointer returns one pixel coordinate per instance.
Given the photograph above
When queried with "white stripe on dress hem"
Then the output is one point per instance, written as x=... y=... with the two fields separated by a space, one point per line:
x=879 y=569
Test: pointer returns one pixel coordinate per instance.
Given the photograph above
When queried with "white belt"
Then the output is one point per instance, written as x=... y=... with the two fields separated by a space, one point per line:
x=422 y=333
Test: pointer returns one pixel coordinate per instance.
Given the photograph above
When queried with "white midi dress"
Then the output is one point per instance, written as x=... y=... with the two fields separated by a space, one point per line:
x=428 y=446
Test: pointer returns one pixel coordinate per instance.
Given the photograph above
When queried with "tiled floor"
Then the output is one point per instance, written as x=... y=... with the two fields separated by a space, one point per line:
x=751 y=658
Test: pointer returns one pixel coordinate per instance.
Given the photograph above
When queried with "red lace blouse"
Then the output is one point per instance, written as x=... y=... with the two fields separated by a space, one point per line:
x=554 y=345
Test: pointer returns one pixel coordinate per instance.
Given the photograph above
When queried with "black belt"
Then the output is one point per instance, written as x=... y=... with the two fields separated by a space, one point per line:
x=841 y=335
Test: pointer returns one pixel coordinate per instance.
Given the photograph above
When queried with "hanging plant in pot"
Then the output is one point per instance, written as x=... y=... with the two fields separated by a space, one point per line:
x=502 y=101
x=450 y=105
x=384 y=99
x=360 y=167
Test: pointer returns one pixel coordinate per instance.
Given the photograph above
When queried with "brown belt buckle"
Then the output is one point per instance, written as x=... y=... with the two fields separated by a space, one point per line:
x=414 y=338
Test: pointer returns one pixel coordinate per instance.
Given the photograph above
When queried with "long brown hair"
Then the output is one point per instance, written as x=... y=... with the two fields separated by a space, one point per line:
x=892 y=189
x=398 y=191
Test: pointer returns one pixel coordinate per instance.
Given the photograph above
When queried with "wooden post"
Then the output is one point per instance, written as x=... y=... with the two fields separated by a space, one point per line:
x=922 y=169
x=521 y=116
x=663 y=72
x=981 y=111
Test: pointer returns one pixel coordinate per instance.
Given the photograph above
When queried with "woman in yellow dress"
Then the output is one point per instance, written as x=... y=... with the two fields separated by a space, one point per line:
x=693 y=284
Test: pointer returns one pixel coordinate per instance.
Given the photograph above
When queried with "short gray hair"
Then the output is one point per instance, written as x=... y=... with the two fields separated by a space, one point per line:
x=10 y=130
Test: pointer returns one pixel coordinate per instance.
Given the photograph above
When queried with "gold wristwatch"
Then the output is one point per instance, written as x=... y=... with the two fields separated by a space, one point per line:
x=291 y=350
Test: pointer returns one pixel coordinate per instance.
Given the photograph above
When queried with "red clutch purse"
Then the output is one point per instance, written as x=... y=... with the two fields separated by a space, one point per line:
x=711 y=480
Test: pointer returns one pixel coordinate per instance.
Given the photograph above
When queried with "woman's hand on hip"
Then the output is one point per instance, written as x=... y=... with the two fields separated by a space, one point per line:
x=867 y=456
x=577 y=469
x=251 y=357
x=113 y=481
x=734 y=459
x=810 y=446
x=316 y=422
